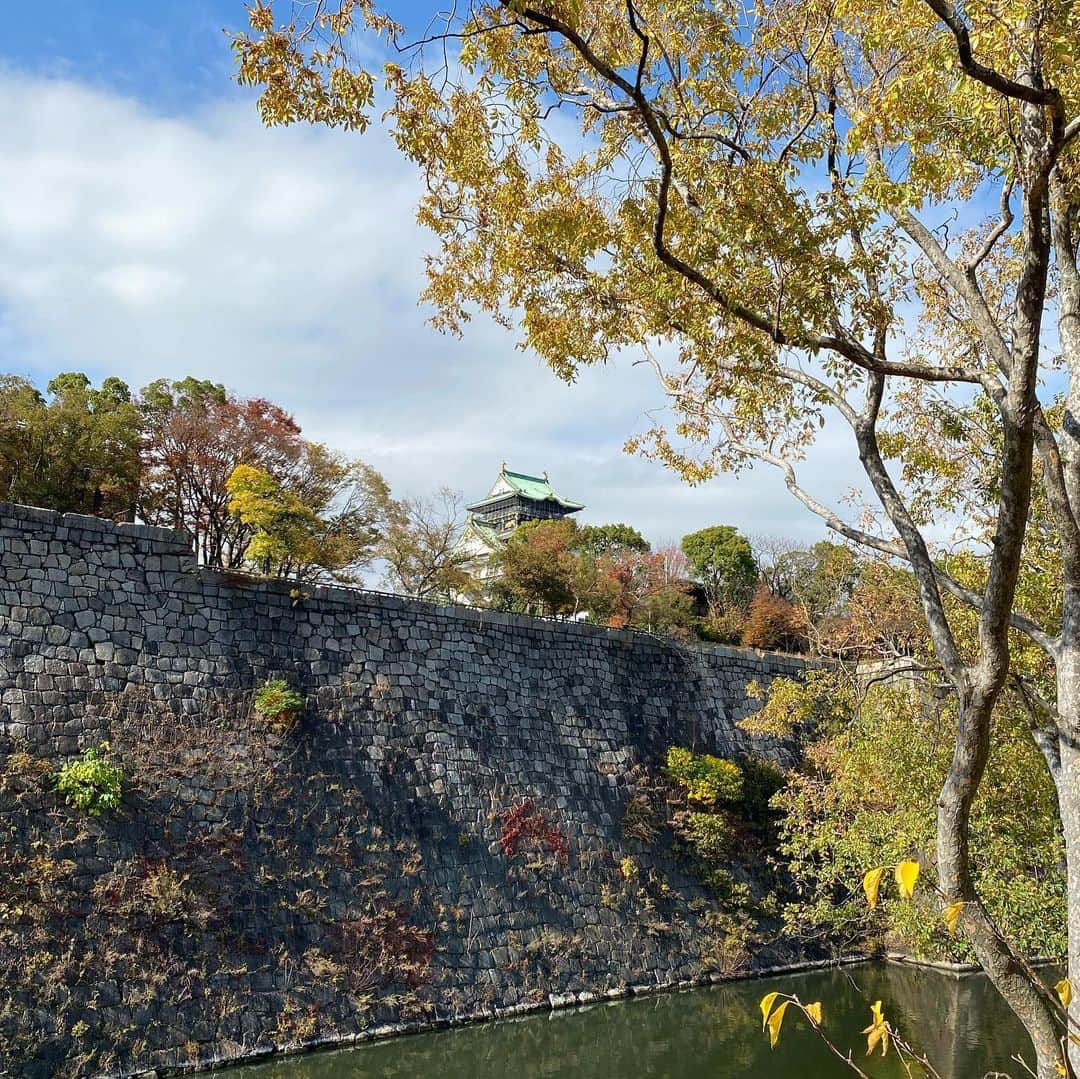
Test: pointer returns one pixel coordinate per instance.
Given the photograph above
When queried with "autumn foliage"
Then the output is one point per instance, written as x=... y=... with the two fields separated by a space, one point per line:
x=525 y=828
x=775 y=623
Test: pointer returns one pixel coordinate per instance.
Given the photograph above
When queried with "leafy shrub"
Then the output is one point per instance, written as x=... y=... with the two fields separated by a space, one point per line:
x=91 y=783
x=708 y=835
x=819 y=702
x=706 y=780
x=761 y=781
x=722 y=626
x=276 y=703
x=774 y=622
x=735 y=895
x=869 y=797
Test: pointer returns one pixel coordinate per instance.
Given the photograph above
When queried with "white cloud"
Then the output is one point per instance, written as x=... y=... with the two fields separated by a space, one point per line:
x=287 y=264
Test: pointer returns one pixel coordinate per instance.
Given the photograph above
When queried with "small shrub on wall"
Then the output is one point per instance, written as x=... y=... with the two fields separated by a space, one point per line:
x=640 y=820
x=277 y=704
x=150 y=894
x=705 y=780
x=91 y=783
x=526 y=830
x=708 y=835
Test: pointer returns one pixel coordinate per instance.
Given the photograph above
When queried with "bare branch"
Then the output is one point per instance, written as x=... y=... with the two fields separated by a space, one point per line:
x=963 y=284
x=1005 y=220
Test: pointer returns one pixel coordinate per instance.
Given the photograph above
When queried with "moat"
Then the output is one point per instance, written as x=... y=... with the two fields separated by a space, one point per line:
x=961 y=1024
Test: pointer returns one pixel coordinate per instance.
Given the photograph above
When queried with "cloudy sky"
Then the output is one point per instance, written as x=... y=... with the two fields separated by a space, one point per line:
x=150 y=227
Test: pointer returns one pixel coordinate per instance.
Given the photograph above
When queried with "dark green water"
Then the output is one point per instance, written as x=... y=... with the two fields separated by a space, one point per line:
x=961 y=1024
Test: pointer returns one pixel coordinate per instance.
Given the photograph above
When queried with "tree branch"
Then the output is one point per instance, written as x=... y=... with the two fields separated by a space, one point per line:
x=654 y=122
x=980 y=72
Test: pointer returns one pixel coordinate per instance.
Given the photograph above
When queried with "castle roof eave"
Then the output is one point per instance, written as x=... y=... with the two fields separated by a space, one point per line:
x=487 y=535
x=533 y=488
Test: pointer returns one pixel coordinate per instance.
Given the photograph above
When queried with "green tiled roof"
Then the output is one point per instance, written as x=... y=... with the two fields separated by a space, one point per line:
x=487 y=534
x=534 y=488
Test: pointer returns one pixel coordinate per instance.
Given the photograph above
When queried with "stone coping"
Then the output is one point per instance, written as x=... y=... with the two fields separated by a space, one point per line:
x=957 y=970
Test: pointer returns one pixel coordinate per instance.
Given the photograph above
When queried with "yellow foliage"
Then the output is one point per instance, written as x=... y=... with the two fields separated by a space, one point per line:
x=772 y=1014
x=951 y=915
x=907 y=873
x=767 y=1003
x=1064 y=990
x=775 y=1021
x=872 y=885
x=878 y=1032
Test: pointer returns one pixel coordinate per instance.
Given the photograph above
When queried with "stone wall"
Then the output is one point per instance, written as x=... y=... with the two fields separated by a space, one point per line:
x=443 y=834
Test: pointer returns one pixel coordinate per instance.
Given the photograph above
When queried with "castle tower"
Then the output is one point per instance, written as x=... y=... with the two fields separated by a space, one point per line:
x=514 y=498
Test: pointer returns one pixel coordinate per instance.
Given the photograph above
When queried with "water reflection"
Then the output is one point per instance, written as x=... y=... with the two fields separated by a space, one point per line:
x=961 y=1024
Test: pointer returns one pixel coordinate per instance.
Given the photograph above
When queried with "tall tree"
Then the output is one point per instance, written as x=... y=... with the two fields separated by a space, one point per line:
x=794 y=197
x=195 y=435
x=420 y=547
x=334 y=534
x=613 y=539
x=823 y=578
x=74 y=448
x=541 y=569
x=723 y=561
x=651 y=591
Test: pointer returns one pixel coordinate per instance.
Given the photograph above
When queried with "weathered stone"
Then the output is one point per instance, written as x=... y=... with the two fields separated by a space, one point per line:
x=423 y=726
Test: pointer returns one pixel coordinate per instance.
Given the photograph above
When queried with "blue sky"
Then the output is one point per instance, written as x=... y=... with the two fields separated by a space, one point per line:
x=150 y=227
x=169 y=54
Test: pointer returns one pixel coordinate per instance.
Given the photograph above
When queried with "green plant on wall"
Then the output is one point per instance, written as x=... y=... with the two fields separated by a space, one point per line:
x=705 y=780
x=708 y=835
x=277 y=703
x=91 y=783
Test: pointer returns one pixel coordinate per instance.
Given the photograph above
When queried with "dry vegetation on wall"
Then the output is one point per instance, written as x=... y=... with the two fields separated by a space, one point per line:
x=260 y=888
x=214 y=913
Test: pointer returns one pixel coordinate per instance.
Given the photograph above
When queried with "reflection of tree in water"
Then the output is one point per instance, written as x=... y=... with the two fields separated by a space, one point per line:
x=961 y=1024
x=708 y=1034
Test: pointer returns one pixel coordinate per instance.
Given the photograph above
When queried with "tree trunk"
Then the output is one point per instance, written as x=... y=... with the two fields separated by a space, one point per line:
x=1063 y=758
x=1005 y=971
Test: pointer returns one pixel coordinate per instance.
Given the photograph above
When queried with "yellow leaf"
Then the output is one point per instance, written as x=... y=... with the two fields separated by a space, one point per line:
x=1065 y=991
x=907 y=873
x=876 y=1036
x=767 y=1002
x=951 y=914
x=872 y=885
x=877 y=1033
x=775 y=1022
x=814 y=1011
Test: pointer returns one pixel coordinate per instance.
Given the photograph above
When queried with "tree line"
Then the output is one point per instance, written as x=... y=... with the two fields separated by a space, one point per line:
x=239 y=478
x=235 y=474
x=716 y=585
